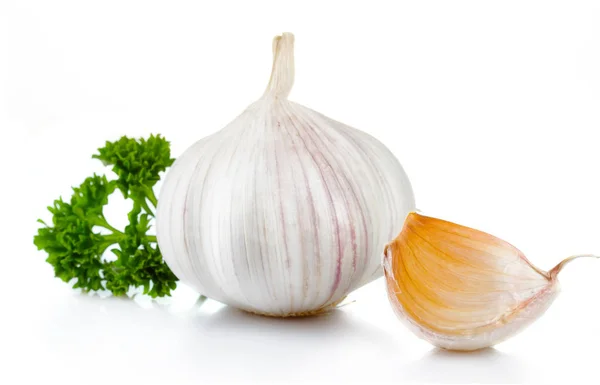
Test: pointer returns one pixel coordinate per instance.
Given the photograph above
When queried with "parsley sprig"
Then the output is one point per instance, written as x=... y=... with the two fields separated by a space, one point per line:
x=74 y=243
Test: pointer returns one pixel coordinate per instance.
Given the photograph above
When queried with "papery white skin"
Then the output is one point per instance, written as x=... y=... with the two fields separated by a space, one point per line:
x=284 y=211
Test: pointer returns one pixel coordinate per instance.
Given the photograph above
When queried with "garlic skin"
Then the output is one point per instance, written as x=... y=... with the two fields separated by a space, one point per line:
x=462 y=289
x=284 y=211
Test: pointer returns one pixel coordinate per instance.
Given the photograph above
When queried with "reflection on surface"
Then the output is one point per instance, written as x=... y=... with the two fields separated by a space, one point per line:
x=332 y=330
x=213 y=343
x=224 y=346
x=486 y=366
x=304 y=349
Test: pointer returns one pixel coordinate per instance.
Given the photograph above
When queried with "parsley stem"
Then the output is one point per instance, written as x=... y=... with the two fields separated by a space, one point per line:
x=103 y=223
x=150 y=194
x=151 y=238
x=145 y=206
x=113 y=238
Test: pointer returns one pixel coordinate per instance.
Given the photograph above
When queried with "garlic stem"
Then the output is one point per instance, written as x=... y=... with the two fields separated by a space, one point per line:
x=557 y=269
x=282 y=73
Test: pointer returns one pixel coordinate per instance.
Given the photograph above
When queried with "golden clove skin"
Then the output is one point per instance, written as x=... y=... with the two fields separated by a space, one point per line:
x=463 y=289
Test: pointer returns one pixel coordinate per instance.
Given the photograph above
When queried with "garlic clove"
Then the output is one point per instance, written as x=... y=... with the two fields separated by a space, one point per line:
x=463 y=289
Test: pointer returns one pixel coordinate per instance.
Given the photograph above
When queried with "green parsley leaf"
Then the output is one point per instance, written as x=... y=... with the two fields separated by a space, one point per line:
x=74 y=244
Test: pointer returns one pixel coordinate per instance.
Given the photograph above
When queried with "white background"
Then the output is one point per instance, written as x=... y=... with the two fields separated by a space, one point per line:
x=493 y=108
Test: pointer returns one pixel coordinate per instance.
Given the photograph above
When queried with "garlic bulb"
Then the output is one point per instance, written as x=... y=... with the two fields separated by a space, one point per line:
x=463 y=289
x=284 y=211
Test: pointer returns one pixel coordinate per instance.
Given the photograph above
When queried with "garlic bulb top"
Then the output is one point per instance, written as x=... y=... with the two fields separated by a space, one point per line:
x=463 y=289
x=284 y=211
